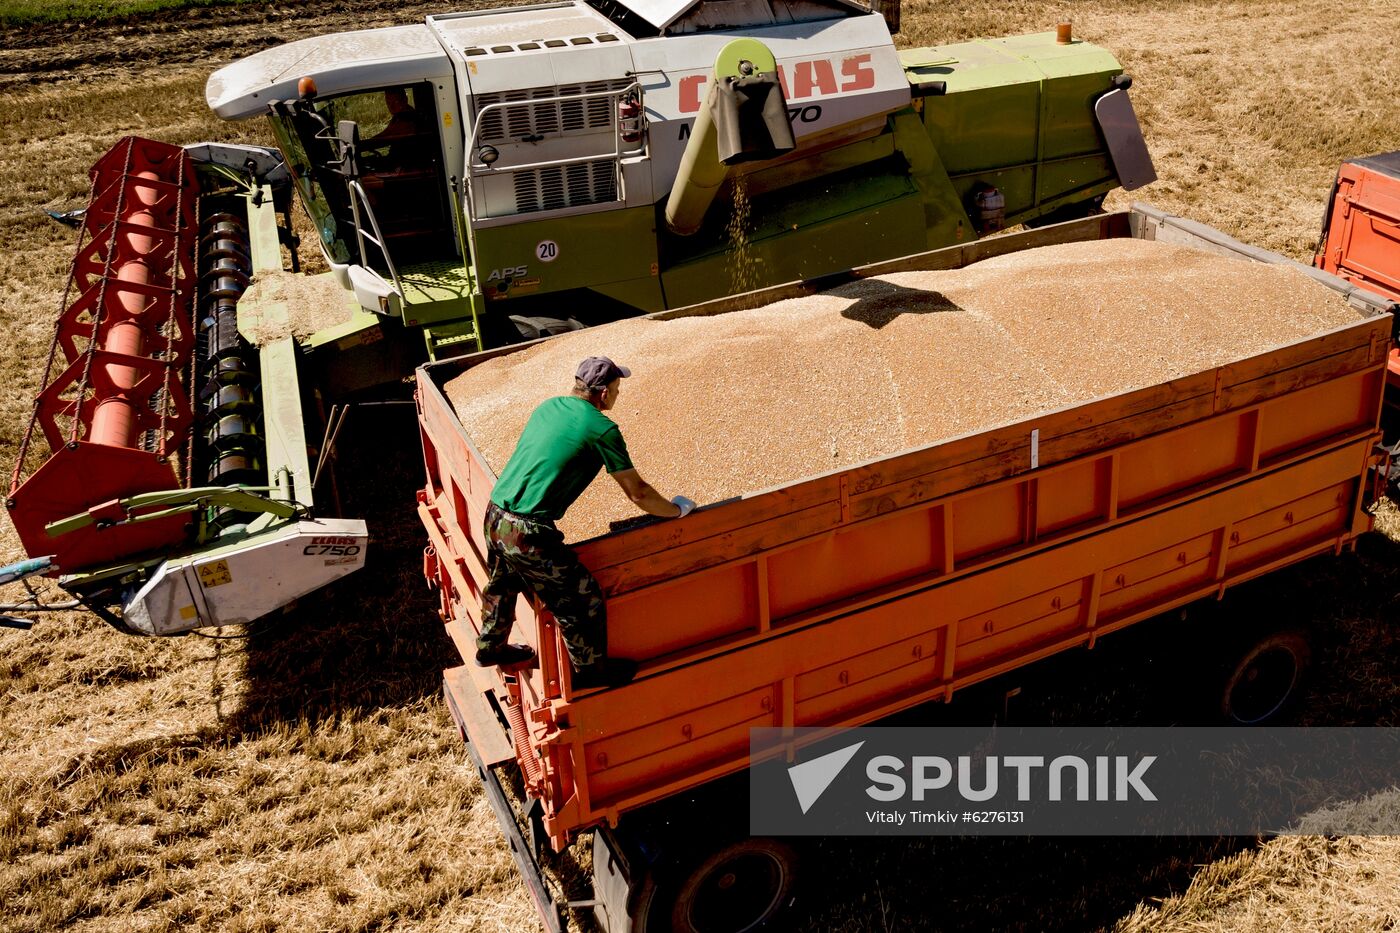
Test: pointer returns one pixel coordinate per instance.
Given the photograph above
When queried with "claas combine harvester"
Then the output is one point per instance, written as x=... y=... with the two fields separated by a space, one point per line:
x=476 y=179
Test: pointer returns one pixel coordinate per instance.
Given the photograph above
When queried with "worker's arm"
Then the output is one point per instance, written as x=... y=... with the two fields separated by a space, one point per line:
x=644 y=496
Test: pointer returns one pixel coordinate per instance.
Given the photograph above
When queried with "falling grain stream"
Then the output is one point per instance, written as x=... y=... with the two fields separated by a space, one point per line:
x=743 y=265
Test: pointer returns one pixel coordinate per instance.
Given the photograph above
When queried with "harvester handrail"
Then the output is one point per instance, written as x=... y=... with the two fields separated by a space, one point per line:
x=548 y=163
x=377 y=238
x=557 y=99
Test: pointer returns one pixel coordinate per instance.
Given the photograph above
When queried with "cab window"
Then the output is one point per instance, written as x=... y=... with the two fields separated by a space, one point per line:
x=400 y=171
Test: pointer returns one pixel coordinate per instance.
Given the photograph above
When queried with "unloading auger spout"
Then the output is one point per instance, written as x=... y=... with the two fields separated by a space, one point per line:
x=744 y=119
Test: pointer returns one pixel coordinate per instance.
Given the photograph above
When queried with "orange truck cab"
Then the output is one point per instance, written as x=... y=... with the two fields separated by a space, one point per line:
x=1360 y=243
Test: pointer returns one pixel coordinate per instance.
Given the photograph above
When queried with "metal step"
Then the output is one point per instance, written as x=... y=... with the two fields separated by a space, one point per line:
x=475 y=717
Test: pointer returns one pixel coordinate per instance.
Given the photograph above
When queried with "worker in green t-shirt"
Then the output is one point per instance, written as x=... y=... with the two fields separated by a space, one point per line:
x=564 y=444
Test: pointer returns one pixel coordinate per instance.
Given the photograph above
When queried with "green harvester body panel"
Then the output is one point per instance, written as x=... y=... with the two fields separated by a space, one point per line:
x=609 y=251
x=802 y=231
x=1016 y=114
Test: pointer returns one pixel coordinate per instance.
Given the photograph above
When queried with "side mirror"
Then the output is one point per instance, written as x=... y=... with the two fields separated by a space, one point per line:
x=347 y=133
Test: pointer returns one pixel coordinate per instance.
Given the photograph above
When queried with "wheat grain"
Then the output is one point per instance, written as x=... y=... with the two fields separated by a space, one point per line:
x=726 y=405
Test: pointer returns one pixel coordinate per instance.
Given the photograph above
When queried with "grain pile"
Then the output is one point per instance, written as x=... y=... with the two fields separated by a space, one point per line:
x=288 y=304
x=721 y=406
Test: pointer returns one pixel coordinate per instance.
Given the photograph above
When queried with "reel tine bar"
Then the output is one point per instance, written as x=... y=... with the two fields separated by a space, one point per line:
x=119 y=411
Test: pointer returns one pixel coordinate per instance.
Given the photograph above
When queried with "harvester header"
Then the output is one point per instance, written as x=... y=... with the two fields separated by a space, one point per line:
x=167 y=500
x=114 y=411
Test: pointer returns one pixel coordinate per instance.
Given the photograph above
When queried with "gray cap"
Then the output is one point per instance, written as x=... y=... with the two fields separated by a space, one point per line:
x=597 y=372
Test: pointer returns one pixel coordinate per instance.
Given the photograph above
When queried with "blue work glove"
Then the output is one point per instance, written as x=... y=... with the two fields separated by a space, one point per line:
x=686 y=505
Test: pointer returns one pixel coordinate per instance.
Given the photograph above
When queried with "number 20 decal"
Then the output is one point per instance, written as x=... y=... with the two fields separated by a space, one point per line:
x=546 y=250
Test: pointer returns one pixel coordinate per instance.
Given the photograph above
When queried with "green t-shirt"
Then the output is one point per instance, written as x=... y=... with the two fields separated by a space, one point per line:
x=559 y=453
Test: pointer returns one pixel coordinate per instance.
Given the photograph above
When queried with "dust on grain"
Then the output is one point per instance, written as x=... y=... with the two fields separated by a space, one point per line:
x=722 y=406
x=286 y=304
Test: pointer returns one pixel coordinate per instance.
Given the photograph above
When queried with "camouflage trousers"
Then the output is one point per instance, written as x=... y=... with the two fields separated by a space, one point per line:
x=525 y=556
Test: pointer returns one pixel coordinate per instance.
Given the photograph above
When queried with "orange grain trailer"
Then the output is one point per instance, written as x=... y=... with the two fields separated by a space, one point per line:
x=845 y=598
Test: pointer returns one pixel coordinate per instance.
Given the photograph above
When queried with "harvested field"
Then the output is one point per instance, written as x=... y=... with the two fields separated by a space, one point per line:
x=308 y=777
x=722 y=406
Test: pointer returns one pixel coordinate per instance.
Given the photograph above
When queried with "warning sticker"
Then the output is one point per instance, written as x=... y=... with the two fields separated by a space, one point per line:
x=215 y=573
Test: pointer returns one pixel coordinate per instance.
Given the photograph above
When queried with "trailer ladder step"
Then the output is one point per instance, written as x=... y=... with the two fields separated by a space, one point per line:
x=474 y=716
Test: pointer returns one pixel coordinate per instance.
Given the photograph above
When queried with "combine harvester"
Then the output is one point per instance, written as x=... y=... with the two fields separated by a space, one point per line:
x=561 y=160
x=475 y=179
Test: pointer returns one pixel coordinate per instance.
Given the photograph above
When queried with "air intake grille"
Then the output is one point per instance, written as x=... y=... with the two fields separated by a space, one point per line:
x=547 y=189
x=567 y=116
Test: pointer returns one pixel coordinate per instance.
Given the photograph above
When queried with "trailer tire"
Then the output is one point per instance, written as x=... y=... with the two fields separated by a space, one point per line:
x=743 y=885
x=1264 y=680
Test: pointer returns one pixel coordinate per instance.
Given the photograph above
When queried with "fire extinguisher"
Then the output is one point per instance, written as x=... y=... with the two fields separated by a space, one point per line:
x=629 y=119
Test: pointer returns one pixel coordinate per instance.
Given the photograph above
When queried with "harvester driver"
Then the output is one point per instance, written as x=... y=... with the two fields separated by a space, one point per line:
x=565 y=442
x=403 y=144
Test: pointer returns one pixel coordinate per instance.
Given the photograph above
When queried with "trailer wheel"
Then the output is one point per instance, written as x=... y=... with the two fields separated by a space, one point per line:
x=1264 y=680
x=741 y=886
